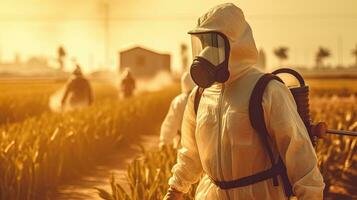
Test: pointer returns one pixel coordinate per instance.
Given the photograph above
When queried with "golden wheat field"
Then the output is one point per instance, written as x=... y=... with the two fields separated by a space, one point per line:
x=40 y=149
x=331 y=101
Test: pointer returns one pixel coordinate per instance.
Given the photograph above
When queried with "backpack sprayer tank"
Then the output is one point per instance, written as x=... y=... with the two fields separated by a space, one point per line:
x=301 y=96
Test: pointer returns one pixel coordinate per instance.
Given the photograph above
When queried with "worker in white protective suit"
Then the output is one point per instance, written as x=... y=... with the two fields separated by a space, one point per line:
x=170 y=133
x=219 y=143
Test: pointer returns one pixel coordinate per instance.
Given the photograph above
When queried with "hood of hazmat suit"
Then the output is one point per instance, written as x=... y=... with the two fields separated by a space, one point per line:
x=219 y=142
x=170 y=132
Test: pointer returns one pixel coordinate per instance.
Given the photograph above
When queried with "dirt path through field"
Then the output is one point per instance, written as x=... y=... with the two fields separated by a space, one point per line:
x=114 y=162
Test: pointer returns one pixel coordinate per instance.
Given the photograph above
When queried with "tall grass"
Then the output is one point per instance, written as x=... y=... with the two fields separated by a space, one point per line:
x=148 y=176
x=38 y=153
x=337 y=154
x=21 y=100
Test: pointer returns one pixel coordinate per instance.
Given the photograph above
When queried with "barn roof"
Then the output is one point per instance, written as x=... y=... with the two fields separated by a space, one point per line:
x=144 y=49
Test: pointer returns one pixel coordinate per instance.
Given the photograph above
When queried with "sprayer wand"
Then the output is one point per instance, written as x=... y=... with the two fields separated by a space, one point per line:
x=320 y=129
x=339 y=132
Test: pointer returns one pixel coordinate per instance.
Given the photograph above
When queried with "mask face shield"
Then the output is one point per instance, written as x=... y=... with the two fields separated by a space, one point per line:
x=210 y=53
x=210 y=46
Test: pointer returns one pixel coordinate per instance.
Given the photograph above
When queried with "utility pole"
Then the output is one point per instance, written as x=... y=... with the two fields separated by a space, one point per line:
x=106 y=32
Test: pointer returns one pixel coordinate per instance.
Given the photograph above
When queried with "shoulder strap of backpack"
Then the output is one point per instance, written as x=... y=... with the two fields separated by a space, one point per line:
x=256 y=115
x=198 y=96
x=257 y=120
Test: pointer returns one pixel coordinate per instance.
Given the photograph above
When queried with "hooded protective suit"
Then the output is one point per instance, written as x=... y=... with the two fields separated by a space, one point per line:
x=219 y=142
x=171 y=127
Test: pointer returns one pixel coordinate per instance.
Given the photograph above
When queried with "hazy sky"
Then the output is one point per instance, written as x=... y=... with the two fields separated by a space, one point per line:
x=37 y=27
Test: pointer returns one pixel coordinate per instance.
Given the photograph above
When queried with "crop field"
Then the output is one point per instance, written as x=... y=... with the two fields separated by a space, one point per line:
x=39 y=149
x=22 y=99
x=331 y=101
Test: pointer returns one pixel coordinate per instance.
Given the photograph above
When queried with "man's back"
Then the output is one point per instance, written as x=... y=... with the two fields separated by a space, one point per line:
x=79 y=91
x=170 y=131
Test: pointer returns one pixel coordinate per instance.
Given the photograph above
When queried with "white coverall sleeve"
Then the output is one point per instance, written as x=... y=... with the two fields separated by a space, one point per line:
x=291 y=137
x=171 y=124
x=188 y=168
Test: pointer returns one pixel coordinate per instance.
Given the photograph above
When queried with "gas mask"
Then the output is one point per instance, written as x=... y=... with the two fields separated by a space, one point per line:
x=211 y=54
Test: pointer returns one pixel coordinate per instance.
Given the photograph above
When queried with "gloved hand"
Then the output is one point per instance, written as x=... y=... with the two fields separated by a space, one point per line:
x=173 y=194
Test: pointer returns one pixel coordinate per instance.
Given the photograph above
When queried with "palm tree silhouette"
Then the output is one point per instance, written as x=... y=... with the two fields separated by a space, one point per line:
x=61 y=54
x=354 y=53
x=321 y=54
x=281 y=53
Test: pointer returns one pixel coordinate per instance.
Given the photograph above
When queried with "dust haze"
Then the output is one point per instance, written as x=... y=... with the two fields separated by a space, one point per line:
x=158 y=82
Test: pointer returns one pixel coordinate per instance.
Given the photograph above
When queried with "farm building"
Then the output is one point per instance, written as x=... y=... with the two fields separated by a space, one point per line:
x=144 y=63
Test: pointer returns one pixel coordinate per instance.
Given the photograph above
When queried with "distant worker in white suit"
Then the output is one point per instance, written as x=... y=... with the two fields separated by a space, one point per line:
x=171 y=127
